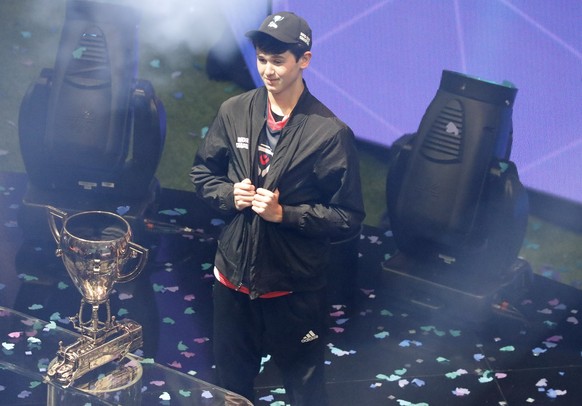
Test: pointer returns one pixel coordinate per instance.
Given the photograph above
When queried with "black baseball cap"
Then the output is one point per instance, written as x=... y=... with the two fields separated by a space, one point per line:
x=286 y=27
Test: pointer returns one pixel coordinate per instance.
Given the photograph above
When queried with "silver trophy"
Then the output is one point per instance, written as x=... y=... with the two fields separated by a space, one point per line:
x=95 y=247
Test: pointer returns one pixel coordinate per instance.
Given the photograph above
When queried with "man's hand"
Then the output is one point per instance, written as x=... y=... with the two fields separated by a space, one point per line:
x=244 y=193
x=266 y=204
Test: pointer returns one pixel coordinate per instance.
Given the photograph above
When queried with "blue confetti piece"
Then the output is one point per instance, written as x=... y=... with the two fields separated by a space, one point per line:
x=25 y=34
x=155 y=63
x=217 y=222
x=203 y=132
x=121 y=210
x=178 y=95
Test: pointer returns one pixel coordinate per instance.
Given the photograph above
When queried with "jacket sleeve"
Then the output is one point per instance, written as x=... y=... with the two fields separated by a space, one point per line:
x=209 y=173
x=340 y=212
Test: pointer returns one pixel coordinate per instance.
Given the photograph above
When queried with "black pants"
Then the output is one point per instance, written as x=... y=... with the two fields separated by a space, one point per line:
x=290 y=328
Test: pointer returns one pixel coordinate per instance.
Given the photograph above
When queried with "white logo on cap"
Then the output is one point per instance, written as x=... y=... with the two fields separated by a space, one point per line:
x=305 y=38
x=275 y=20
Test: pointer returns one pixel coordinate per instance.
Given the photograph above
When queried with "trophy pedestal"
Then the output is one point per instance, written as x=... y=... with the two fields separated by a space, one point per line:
x=119 y=382
x=32 y=213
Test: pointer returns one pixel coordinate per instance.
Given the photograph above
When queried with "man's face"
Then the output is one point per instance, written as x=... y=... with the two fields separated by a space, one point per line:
x=281 y=72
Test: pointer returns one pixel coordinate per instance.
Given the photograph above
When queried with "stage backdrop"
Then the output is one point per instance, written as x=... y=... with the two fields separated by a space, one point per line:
x=378 y=63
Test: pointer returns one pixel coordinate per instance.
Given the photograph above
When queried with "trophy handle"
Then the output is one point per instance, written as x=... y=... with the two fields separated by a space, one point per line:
x=55 y=213
x=136 y=250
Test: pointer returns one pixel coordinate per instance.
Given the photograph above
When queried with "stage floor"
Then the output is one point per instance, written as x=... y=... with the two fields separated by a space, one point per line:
x=383 y=348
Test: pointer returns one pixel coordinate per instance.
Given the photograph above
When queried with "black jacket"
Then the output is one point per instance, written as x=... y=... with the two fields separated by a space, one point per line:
x=316 y=169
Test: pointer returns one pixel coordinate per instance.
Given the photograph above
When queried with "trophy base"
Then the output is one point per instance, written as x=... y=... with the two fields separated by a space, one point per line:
x=118 y=382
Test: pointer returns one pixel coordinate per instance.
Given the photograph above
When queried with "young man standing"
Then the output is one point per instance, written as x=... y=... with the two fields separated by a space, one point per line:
x=286 y=169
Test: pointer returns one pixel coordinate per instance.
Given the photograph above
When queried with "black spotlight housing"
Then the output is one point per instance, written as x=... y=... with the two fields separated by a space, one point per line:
x=456 y=207
x=89 y=125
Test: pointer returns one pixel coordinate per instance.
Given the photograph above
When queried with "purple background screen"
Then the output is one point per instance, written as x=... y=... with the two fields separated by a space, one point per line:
x=377 y=64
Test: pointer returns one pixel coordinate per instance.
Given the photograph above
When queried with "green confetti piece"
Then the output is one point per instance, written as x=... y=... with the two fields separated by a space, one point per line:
x=455 y=333
x=27 y=278
x=383 y=334
x=278 y=391
x=122 y=312
x=508 y=348
x=55 y=316
x=206 y=266
x=182 y=346
x=386 y=313
x=147 y=361
x=35 y=307
x=400 y=371
x=158 y=288
x=169 y=320
x=78 y=53
x=62 y=286
x=486 y=377
x=442 y=359
x=185 y=393
x=189 y=310
x=49 y=326
x=34 y=384
x=155 y=63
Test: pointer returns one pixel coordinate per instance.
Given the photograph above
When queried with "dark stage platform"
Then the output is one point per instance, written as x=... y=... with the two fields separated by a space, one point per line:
x=384 y=349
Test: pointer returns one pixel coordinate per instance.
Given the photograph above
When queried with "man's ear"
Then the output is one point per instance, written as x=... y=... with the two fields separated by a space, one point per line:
x=305 y=59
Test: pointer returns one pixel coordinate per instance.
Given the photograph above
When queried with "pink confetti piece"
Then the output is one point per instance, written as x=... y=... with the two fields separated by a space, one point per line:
x=188 y=354
x=157 y=383
x=15 y=334
x=201 y=340
x=173 y=289
x=461 y=392
x=175 y=364
x=337 y=329
x=337 y=314
x=572 y=320
x=554 y=302
x=554 y=339
x=125 y=296
x=189 y=298
x=500 y=375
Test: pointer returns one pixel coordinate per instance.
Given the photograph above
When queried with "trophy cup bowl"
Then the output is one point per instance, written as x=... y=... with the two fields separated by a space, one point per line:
x=95 y=247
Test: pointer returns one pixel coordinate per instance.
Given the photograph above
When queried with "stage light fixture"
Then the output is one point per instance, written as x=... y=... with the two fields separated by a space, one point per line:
x=89 y=127
x=456 y=207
